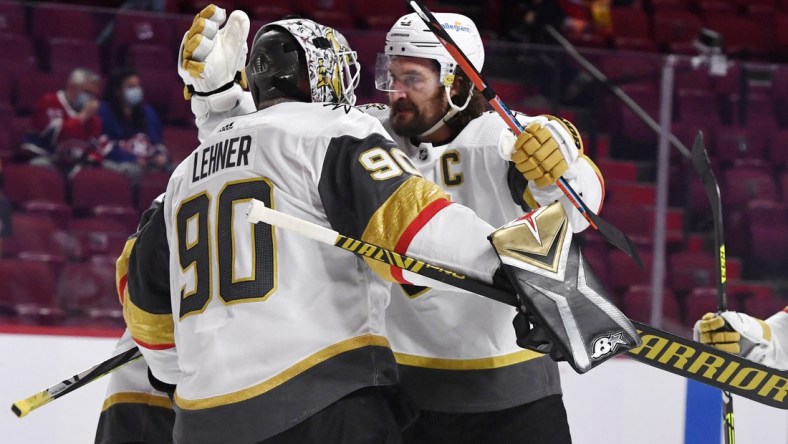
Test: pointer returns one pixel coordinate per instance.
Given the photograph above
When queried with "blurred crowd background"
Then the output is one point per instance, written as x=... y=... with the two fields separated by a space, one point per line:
x=92 y=120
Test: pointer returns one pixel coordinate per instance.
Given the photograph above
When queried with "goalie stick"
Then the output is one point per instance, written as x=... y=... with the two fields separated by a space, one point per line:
x=616 y=237
x=665 y=351
x=27 y=405
x=700 y=159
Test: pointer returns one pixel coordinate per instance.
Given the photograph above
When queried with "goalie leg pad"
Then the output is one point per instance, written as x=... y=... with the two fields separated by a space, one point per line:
x=561 y=292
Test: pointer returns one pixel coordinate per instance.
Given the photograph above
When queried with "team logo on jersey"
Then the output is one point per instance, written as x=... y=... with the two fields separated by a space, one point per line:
x=606 y=345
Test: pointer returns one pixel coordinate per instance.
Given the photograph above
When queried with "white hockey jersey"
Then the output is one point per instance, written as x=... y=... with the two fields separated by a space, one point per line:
x=271 y=327
x=457 y=352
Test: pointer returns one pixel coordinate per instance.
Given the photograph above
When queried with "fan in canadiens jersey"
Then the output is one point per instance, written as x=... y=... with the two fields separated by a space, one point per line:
x=280 y=338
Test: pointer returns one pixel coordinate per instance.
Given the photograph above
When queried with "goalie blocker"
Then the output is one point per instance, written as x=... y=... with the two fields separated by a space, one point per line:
x=573 y=319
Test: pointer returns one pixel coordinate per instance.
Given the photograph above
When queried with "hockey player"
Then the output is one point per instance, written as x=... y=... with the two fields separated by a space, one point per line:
x=281 y=339
x=457 y=354
x=134 y=411
x=465 y=370
x=765 y=342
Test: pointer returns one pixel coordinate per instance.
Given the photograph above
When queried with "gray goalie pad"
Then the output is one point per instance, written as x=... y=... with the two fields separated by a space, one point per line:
x=574 y=320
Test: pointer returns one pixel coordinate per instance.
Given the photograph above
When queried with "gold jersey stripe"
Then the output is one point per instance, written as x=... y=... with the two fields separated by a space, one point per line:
x=466 y=364
x=393 y=217
x=767 y=331
x=122 y=265
x=284 y=376
x=151 y=329
x=137 y=398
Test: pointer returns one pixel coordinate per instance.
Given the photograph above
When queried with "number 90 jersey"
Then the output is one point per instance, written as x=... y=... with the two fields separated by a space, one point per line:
x=271 y=327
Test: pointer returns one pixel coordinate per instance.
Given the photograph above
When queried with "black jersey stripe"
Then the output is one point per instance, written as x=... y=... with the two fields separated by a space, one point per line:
x=349 y=192
x=517 y=186
x=481 y=390
x=136 y=420
x=147 y=309
x=289 y=403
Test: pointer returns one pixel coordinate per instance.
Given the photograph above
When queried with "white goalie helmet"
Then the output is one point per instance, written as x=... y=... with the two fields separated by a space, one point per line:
x=332 y=66
x=410 y=37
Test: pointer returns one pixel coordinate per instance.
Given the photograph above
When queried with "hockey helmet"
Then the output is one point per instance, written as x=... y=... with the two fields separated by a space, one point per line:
x=410 y=37
x=282 y=50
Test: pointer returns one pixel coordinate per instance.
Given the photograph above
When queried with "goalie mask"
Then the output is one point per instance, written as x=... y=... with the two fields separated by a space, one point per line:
x=287 y=51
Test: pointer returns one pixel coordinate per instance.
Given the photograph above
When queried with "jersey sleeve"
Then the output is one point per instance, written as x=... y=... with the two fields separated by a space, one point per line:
x=147 y=307
x=208 y=120
x=778 y=324
x=371 y=191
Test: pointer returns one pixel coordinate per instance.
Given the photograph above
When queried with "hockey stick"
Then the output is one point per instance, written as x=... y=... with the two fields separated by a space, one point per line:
x=703 y=166
x=665 y=351
x=612 y=234
x=27 y=405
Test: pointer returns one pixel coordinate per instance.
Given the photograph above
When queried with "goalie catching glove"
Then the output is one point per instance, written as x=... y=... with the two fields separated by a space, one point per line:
x=749 y=337
x=547 y=149
x=211 y=60
x=572 y=318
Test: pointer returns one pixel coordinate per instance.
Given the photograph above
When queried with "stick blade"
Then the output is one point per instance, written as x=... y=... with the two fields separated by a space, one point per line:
x=616 y=237
x=700 y=159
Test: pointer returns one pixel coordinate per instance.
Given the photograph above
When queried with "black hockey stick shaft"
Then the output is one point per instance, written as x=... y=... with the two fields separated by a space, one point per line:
x=700 y=159
x=665 y=351
x=702 y=164
x=25 y=406
x=616 y=237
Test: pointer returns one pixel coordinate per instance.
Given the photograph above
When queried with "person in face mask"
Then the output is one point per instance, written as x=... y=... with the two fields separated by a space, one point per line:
x=131 y=141
x=66 y=116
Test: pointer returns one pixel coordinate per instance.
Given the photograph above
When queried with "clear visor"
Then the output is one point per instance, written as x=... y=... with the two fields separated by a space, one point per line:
x=390 y=77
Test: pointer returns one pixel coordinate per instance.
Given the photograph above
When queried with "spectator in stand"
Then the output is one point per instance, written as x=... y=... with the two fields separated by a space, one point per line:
x=132 y=136
x=67 y=119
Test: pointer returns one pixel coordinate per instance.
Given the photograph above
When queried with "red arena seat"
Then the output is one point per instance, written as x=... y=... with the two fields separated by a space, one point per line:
x=91 y=187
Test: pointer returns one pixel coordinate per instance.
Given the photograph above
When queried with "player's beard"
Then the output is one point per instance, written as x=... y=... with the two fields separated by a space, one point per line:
x=420 y=118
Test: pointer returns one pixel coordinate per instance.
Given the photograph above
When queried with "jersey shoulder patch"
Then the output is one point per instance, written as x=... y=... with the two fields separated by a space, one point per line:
x=377 y=110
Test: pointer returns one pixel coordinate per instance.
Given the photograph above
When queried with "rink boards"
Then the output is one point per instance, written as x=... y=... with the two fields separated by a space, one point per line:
x=622 y=401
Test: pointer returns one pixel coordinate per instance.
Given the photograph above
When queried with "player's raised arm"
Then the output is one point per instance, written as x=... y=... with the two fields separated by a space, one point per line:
x=211 y=63
x=549 y=148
